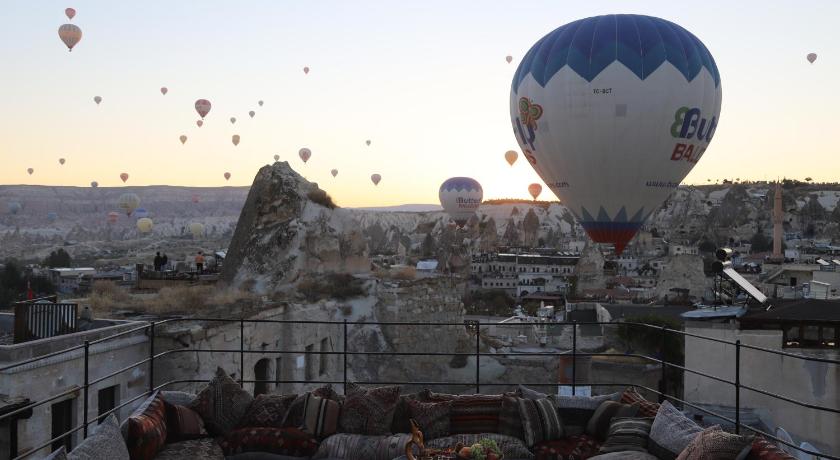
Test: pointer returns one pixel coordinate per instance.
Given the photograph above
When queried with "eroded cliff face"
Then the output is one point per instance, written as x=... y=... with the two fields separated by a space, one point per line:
x=288 y=228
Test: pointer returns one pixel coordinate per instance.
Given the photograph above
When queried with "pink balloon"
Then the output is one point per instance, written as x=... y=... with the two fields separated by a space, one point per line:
x=199 y=123
x=227 y=176
x=124 y=177
x=70 y=12
x=202 y=106
x=164 y=90
x=535 y=190
x=306 y=70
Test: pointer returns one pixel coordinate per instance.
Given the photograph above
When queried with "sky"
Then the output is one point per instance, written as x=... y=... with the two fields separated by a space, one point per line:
x=426 y=82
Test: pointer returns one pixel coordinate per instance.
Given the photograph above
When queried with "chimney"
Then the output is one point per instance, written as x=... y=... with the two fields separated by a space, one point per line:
x=778 y=219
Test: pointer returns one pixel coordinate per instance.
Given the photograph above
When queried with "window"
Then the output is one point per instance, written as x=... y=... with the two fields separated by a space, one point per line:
x=322 y=361
x=261 y=376
x=309 y=364
x=62 y=422
x=791 y=336
x=810 y=336
x=107 y=400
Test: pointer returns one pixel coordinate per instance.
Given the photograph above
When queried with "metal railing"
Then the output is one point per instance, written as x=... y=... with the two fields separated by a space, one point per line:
x=477 y=384
x=43 y=320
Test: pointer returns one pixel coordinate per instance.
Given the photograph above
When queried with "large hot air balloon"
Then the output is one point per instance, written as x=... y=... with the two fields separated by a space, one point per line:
x=70 y=35
x=141 y=213
x=164 y=90
x=200 y=123
x=128 y=202
x=460 y=198
x=232 y=120
x=97 y=99
x=227 y=176
x=14 y=207
x=124 y=177
x=183 y=139
x=375 y=178
x=61 y=161
x=811 y=57
x=304 y=154
x=235 y=140
x=334 y=172
x=511 y=156
x=197 y=230
x=52 y=216
x=276 y=157
x=509 y=59
x=260 y=103
x=306 y=70
x=113 y=217
x=252 y=113
x=534 y=190
x=70 y=13
x=30 y=171
x=202 y=106
x=94 y=184
x=145 y=225
x=613 y=112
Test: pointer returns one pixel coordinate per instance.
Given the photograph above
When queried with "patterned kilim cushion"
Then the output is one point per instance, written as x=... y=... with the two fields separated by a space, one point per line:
x=221 y=404
x=294 y=416
x=267 y=410
x=198 y=449
x=510 y=422
x=433 y=418
x=147 y=430
x=106 y=443
x=646 y=408
x=540 y=421
x=575 y=411
x=183 y=423
x=281 y=441
x=578 y=447
x=470 y=413
x=627 y=434
x=671 y=432
x=361 y=447
x=320 y=416
x=512 y=448
x=714 y=444
x=368 y=411
x=763 y=449
x=599 y=424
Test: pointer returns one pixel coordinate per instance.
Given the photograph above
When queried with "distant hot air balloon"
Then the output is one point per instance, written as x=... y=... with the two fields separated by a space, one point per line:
x=511 y=156
x=276 y=157
x=70 y=13
x=197 y=230
x=375 y=178
x=97 y=99
x=14 y=207
x=534 y=190
x=70 y=35
x=183 y=139
x=612 y=120
x=304 y=154
x=94 y=184
x=235 y=139
x=124 y=177
x=260 y=103
x=145 y=225
x=367 y=142
x=252 y=113
x=128 y=202
x=812 y=57
x=202 y=106
x=509 y=59
x=61 y=161
x=306 y=70
x=460 y=198
x=164 y=90
x=227 y=176
x=30 y=171
x=113 y=217
x=232 y=120
x=195 y=199
x=141 y=213
x=200 y=123
x=334 y=172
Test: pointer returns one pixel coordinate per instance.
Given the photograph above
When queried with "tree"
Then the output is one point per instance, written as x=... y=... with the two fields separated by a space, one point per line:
x=58 y=258
x=707 y=246
x=760 y=242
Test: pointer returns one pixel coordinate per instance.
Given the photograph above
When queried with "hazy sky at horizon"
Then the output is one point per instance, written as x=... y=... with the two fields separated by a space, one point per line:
x=426 y=82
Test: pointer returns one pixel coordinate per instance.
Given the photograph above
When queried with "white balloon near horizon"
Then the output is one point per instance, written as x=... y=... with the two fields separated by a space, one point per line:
x=460 y=198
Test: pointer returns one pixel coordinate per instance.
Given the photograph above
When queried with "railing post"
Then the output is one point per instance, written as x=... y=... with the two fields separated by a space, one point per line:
x=574 y=357
x=477 y=358
x=152 y=357
x=242 y=352
x=86 y=388
x=664 y=381
x=737 y=387
x=344 y=355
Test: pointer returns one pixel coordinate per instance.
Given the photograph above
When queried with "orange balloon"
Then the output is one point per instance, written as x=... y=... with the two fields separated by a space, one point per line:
x=535 y=190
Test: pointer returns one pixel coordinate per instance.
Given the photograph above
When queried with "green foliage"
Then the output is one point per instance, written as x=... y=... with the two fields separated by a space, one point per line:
x=760 y=242
x=58 y=258
x=495 y=301
x=339 y=286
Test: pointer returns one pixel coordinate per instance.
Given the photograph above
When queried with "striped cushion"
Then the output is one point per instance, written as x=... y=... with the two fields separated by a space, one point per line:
x=627 y=434
x=147 y=430
x=599 y=424
x=470 y=413
x=361 y=447
x=714 y=444
x=320 y=416
x=183 y=423
x=510 y=422
x=575 y=411
x=646 y=408
x=540 y=421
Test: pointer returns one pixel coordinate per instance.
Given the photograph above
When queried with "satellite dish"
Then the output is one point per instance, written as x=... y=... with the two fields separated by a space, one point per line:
x=785 y=436
x=809 y=447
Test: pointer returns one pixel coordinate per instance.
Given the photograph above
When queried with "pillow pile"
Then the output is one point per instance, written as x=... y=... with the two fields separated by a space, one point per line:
x=540 y=421
x=221 y=404
x=671 y=432
x=368 y=411
x=576 y=411
x=627 y=434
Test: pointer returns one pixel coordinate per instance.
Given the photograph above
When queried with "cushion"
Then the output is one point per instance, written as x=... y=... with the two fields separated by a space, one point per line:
x=646 y=408
x=267 y=410
x=627 y=433
x=470 y=413
x=762 y=449
x=180 y=398
x=368 y=411
x=512 y=448
x=183 y=423
x=203 y=449
x=280 y=441
x=671 y=432
x=361 y=447
x=320 y=416
x=715 y=444
x=576 y=447
x=510 y=422
x=540 y=421
x=294 y=416
x=599 y=424
x=402 y=413
x=625 y=456
x=146 y=429
x=221 y=404
x=60 y=454
x=105 y=443
x=529 y=393
x=433 y=418
x=575 y=411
